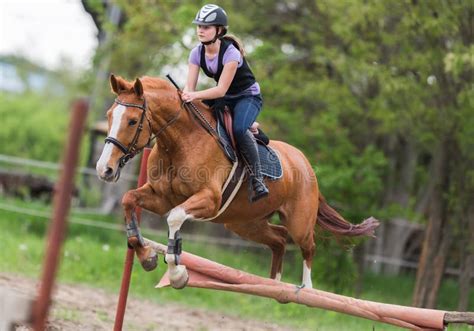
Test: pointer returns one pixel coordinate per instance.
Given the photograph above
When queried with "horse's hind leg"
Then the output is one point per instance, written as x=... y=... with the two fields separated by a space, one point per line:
x=278 y=251
x=274 y=236
x=300 y=226
x=142 y=197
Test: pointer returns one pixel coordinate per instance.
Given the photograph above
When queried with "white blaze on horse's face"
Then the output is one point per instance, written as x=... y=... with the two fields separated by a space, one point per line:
x=105 y=170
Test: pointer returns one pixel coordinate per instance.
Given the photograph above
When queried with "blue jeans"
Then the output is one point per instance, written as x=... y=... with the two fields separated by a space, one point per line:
x=245 y=110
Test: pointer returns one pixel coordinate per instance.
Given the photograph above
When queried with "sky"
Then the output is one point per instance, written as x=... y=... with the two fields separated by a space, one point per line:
x=45 y=31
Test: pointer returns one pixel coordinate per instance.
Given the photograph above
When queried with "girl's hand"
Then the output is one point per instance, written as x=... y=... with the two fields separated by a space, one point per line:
x=254 y=127
x=189 y=96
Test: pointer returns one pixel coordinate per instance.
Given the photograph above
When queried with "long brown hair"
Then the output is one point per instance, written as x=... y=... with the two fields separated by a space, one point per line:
x=236 y=42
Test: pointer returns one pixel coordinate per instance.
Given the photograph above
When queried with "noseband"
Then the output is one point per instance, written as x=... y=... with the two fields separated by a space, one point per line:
x=131 y=150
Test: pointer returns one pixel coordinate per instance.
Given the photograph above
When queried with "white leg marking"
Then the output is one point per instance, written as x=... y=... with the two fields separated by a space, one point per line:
x=307 y=276
x=117 y=114
x=175 y=220
x=177 y=273
x=278 y=276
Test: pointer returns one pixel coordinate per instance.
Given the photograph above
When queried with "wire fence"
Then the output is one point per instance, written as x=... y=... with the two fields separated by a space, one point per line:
x=116 y=227
x=13 y=160
x=230 y=242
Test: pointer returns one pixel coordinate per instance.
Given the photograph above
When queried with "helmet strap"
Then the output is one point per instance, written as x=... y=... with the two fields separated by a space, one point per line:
x=206 y=43
x=217 y=36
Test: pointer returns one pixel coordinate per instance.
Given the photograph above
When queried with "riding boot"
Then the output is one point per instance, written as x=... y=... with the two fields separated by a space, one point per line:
x=248 y=148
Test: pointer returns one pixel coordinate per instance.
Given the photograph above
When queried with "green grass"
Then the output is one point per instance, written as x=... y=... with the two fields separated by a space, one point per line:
x=95 y=257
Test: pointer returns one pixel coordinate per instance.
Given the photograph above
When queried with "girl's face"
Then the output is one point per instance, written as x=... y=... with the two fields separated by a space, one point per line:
x=206 y=32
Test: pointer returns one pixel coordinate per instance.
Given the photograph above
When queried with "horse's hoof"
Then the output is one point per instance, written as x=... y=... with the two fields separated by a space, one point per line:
x=151 y=262
x=179 y=277
x=133 y=242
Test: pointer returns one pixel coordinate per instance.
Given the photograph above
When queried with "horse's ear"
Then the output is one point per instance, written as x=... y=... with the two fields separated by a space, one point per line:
x=138 y=88
x=114 y=84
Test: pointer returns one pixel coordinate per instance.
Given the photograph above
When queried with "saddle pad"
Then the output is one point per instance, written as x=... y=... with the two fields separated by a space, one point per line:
x=269 y=159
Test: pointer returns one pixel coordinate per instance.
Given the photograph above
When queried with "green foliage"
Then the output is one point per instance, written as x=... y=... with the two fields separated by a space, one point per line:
x=333 y=266
x=149 y=38
x=339 y=80
x=35 y=121
x=33 y=126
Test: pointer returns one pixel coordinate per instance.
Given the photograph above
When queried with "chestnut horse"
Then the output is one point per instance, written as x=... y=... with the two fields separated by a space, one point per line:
x=186 y=173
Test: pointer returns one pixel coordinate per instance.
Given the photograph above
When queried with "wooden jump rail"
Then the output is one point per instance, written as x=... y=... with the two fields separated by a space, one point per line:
x=204 y=273
x=128 y=265
x=58 y=225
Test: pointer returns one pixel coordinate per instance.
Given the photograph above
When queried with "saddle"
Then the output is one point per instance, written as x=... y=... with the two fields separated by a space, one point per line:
x=269 y=159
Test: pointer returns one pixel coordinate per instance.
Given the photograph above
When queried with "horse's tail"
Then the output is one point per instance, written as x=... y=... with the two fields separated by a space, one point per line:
x=331 y=220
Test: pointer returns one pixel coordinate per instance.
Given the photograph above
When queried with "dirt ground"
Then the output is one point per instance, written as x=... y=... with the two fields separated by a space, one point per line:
x=81 y=308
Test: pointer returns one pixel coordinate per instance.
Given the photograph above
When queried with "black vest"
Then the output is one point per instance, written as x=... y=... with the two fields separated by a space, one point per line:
x=243 y=78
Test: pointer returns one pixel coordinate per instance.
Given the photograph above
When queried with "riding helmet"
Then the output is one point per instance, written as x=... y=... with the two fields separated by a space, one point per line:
x=211 y=15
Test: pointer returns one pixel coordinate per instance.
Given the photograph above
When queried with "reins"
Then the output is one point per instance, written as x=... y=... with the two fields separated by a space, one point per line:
x=191 y=107
x=202 y=120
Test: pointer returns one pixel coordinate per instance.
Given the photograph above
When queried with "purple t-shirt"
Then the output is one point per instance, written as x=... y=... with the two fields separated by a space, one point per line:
x=231 y=54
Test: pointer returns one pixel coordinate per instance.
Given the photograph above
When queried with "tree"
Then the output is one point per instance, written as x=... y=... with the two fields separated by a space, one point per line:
x=377 y=94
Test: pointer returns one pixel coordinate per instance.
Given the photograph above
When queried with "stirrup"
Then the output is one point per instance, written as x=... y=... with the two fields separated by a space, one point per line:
x=260 y=190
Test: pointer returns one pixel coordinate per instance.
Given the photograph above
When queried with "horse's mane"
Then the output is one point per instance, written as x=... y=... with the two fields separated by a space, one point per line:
x=158 y=83
x=156 y=87
x=155 y=83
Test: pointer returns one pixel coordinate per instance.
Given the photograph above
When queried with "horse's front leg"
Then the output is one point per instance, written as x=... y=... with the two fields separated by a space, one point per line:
x=201 y=205
x=142 y=197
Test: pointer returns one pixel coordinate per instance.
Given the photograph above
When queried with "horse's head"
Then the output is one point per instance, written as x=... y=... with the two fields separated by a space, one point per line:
x=129 y=128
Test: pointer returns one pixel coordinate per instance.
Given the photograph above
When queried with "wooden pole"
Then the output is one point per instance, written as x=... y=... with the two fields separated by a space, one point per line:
x=58 y=225
x=128 y=266
x=208 y=274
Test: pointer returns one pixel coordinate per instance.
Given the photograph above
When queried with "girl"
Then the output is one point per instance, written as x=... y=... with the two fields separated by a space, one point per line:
x=222 y=58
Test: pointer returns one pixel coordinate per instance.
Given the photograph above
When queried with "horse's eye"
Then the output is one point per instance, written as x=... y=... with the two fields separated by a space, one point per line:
x=132 y=122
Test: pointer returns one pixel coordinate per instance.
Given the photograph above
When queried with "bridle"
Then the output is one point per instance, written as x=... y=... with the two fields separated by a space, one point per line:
x=131 y=150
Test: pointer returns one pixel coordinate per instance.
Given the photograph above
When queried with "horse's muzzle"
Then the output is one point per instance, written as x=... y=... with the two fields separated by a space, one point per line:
x=107 y=174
